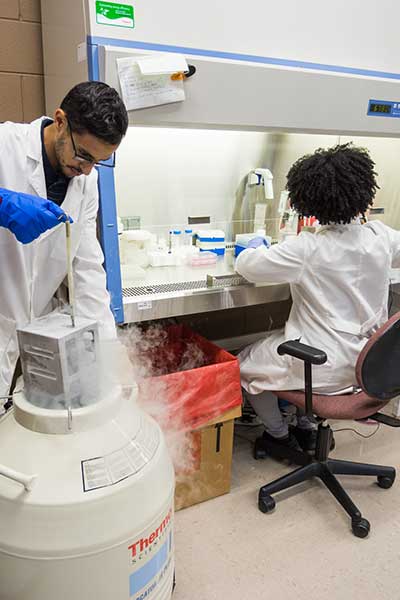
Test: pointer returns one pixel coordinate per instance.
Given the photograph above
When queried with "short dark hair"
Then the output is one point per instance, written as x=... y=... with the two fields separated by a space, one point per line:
x=97 y=108
x=333 y=185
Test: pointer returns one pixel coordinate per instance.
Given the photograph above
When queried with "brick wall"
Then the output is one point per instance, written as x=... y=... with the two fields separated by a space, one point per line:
x=21 y=61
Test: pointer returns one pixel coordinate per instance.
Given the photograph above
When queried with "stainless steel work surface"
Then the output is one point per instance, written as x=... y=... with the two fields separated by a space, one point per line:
x=183 y=290
x=142 y=303
x=145 y=301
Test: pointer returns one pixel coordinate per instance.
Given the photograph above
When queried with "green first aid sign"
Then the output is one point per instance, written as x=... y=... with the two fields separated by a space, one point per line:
x=113 y=13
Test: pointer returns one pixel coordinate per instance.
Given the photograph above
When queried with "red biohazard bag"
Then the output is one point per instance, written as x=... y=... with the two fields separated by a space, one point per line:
x=187 y=379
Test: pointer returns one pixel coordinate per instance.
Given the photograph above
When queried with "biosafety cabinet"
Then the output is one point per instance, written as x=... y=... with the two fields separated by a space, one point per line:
x=205 y=161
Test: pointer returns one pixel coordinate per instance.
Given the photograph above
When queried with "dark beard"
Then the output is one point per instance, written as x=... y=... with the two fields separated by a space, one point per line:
x=58 y=147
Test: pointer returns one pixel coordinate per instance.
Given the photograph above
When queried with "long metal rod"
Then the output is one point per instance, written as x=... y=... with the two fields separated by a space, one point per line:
x=71 y=291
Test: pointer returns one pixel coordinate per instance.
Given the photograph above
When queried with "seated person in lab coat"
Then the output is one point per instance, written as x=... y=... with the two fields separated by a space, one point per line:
x=46 y=173
x=339 y=282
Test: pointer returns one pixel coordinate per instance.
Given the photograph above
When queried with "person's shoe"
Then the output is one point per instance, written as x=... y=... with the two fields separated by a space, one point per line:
x=286 y=448
x=288 y=441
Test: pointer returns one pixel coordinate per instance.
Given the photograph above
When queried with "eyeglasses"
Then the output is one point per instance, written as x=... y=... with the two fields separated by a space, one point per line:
x=89 y=160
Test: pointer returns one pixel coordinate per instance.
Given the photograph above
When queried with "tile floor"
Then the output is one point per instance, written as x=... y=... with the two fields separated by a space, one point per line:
x=227 y=549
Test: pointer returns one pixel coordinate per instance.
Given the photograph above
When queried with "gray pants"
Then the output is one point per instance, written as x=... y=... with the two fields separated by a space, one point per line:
x=275 y=420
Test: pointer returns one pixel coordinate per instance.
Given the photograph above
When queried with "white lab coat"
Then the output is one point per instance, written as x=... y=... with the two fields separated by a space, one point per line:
x=31 y=274
x=339 y=282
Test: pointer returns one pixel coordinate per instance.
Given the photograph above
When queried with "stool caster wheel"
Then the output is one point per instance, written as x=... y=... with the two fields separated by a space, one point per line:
x=259 y=451
x=385 y=482
x=266 y=504
x=361 y=528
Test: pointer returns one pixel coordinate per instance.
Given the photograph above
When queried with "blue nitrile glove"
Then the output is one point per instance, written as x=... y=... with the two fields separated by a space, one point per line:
x=258 y=241
x=28 y=216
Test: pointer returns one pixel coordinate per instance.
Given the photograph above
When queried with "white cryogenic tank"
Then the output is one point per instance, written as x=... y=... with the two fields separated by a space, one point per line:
x=96 y=523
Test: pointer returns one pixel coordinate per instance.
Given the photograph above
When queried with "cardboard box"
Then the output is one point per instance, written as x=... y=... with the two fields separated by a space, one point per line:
x=211 y=473
x=200 y=402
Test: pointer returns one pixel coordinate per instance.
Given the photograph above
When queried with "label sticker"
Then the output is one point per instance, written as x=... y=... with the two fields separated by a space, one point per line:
x=104 y=471
x=115 y=14
x=152 y=554
x=146 y=305
x=145 y=580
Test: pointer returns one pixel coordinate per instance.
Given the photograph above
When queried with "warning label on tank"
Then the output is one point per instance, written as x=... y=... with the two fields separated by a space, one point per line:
x=103 y=471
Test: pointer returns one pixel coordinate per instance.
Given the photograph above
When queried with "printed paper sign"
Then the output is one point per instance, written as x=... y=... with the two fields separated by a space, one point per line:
x=143 y=91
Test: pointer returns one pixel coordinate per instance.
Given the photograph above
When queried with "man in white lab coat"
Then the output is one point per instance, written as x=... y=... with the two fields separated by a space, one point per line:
x=54 y=159
x=339 y=282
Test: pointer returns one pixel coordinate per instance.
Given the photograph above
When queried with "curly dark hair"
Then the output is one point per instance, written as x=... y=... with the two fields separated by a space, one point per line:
x=333 y=185
x=96 y=107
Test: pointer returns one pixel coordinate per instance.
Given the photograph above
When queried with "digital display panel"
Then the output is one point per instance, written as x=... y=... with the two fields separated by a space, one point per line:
x=374 y=107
